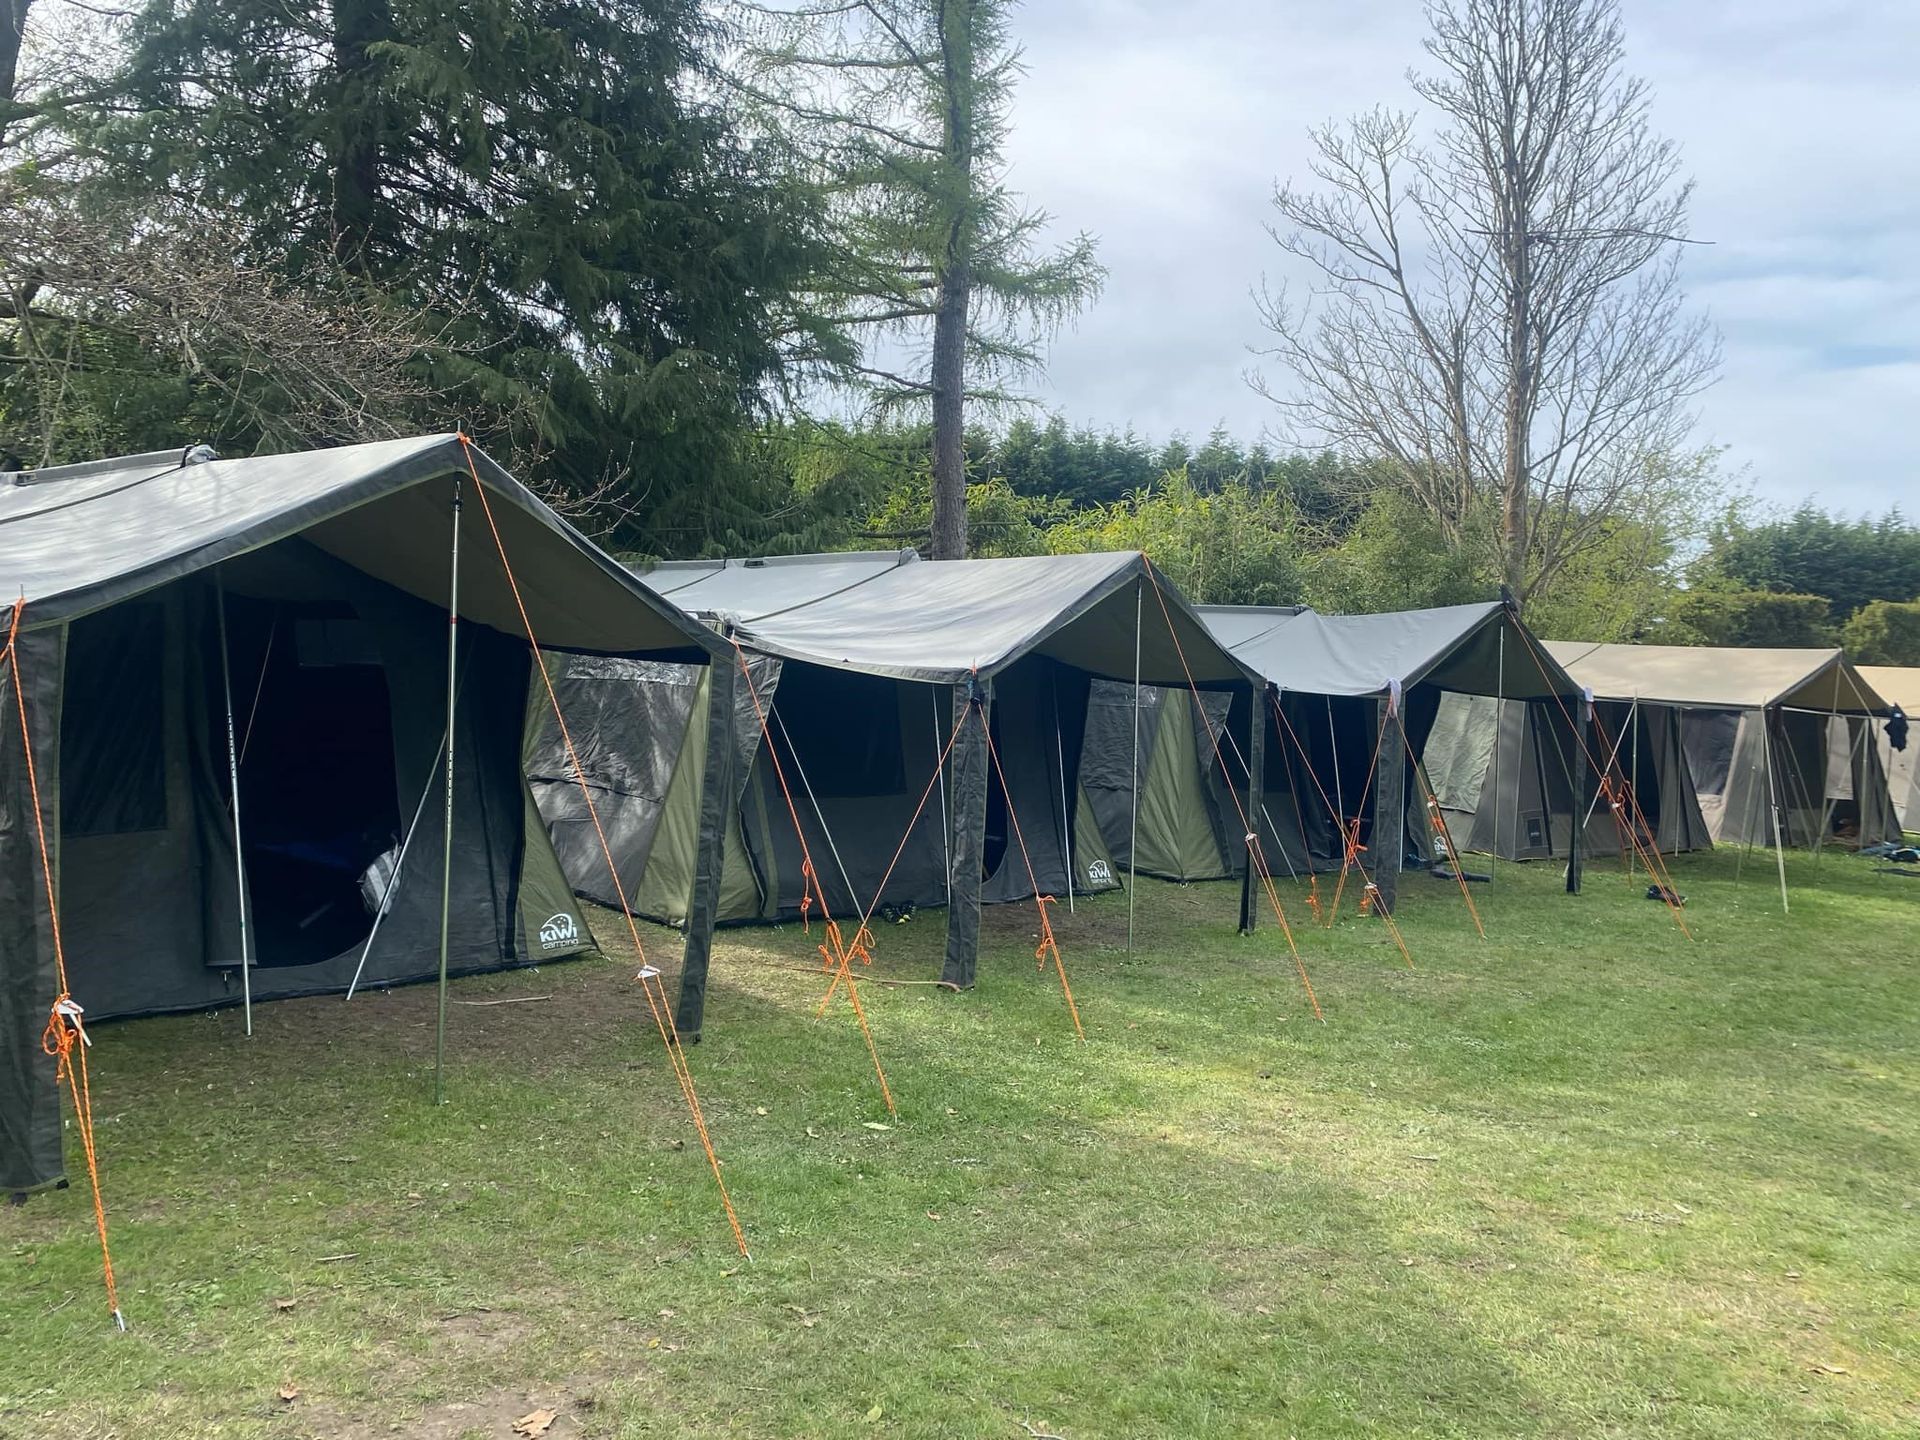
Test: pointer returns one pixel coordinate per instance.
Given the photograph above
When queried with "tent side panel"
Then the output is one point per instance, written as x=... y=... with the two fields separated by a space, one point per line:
x=29 y=1095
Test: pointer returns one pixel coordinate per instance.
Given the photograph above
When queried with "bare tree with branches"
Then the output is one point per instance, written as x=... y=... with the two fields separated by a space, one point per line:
x=1499 y=312
x=99 y=299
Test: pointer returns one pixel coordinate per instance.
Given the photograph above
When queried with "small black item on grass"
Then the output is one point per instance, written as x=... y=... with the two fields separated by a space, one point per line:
x=1662 y=892
x=1896 y=870
x=1440 y=872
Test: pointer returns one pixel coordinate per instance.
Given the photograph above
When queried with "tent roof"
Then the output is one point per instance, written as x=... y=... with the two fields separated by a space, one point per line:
x=759 y=587
x=79 y=538
x=939 y=621
x=1714 y=677
x=1897 y=684
x=1456 y=647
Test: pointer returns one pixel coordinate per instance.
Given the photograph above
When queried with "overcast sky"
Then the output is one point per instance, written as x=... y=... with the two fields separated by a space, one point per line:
x=1161 y=126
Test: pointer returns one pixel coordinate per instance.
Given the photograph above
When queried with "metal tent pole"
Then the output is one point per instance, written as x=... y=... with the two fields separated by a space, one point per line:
x=1133 y=822
x=386 y=893
x=1634 y=813
x=1773 y=813
x=1066 y=817
x=853 y=896
x=946 y=826
x=1499 y=727
x=233 y=790
x=446 y=839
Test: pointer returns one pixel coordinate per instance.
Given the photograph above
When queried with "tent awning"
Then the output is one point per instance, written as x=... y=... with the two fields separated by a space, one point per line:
x=940 y=621
x=1714 y=677
x=1475 y=649
x=79 y=538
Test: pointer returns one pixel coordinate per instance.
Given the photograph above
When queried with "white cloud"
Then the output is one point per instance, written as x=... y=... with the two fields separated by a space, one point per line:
x=1162 y=127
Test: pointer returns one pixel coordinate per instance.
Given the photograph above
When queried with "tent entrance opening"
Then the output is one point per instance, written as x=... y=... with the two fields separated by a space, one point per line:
x=318 y=795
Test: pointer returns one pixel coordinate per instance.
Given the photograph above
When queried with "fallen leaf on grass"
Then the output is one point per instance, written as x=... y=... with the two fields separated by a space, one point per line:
x=873 y=1415
x=286 y=1303
x=1821 y=1367
x=759 y=1109
x=933 y=1214
x=288 y=1393
x=875 y=1125
x=535 y=1422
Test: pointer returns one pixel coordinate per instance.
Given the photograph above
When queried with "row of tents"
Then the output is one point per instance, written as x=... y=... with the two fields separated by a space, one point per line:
x=229 y=724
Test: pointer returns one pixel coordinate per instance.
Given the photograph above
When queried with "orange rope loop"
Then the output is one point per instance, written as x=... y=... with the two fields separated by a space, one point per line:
x=1437 y=822
x=65 y=1037
x=1048 y=945
x=834 y=953
x=662 y=1012
x=1601 y=770
x=1255 y=858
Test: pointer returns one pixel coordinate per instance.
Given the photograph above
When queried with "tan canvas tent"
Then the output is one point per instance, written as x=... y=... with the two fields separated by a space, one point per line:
x=1778 y=742
x=1899 y=685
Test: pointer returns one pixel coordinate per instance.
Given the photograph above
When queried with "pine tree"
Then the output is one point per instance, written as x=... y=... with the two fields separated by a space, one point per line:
x=902 y=108
x=556 y=174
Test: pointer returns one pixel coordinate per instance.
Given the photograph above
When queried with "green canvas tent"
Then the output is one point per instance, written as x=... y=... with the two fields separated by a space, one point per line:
x=863 y=666
x=299 y=604
x=1899 y=685
x=1329 y=679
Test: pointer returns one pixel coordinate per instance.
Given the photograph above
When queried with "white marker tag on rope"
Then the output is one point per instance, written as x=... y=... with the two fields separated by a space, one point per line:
x=647 y=972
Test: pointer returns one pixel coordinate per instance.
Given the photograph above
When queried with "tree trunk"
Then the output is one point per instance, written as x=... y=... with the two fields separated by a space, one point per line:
x=13 y=28
x=949 y=416
x=949 y=377
x=357 y=24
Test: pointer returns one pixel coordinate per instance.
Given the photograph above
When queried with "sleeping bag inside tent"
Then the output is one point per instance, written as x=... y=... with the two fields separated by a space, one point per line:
x=301 y=601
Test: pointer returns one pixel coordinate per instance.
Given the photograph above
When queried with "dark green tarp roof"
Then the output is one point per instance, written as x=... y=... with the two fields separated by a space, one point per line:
x=78 y=538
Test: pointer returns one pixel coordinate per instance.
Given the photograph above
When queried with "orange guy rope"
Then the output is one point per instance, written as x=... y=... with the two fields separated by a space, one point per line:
x=662 y=1016
x=835 y=952
x=1048 y=945
x=65 y=1038
x=1254 y=856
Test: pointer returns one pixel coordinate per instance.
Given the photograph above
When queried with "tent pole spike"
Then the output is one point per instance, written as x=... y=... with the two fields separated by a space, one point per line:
x=1499 y=708
x=446 y=838
x=1066 y=818
x=1773 y=813
x=386 y=894
x=233 y=791
x=1133 y=820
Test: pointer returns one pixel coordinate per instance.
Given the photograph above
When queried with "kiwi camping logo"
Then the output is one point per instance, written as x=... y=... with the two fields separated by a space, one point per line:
x=1100 y=873
x=558 y=930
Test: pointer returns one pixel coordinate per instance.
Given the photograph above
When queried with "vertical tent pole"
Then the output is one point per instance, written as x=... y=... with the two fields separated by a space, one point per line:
x=1773 y=813
x=1133 y=821
x=233 y=788
x=939 y=758
x=1583 y=738
x=1256 y=762
x=1635 y=812
x=1389 y=835
x=1499 y=727
x=446 y=838
x=1066 y=817
x=386 y=893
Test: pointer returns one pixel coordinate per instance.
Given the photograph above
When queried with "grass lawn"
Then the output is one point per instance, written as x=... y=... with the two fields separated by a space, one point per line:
x=1583 y=1179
